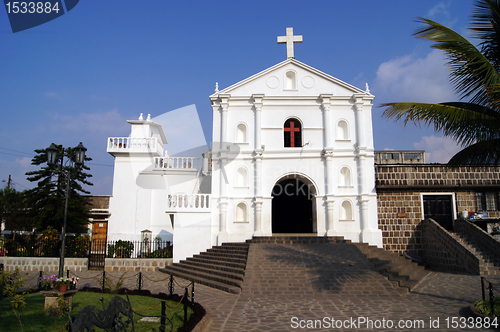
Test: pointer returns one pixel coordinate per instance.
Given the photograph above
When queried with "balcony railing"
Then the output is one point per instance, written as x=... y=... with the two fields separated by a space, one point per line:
x=188 y=163
x=129 y=144
x=184 y=202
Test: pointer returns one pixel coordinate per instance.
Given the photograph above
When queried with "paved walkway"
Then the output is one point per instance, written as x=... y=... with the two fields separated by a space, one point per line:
x=290 y=286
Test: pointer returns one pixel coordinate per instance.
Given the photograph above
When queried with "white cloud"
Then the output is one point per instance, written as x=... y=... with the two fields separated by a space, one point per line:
x=440 y=8
x=416 y=79
x=25 y=162
x=438 y=149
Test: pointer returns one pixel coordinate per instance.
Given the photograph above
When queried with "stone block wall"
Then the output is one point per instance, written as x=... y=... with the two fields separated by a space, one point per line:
x=425 y=175
x=30 y=264
x=443 y=253
x=45 y=264
x=136 y=264
x=399 y=214
x=399 y=189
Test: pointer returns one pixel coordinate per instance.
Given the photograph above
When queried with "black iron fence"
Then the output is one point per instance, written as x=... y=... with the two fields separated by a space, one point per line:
x=489 y=290
x=81 y=248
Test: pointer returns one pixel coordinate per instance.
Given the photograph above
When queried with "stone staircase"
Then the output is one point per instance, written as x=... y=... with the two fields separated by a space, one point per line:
x=221 y=267
x=489 y=264
x=297 y=239
x=401 y=272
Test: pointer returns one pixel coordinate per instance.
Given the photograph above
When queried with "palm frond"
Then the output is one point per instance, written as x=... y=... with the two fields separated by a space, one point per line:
x=467 y=123
x=486 y=26
x=481 y=153
x=471 y=71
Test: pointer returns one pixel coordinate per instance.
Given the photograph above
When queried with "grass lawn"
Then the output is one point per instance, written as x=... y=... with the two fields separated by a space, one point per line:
x=33 y=318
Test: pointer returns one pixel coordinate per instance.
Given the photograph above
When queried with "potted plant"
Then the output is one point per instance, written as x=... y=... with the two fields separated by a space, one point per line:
x=46 y=283
x=63 y=283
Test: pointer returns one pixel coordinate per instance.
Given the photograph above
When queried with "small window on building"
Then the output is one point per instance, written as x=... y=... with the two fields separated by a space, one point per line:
x=412 y=155
x=346 y=211
x=345 y=177
x=292 y=133
x=487 y=201
x=241 y=212
x=342 y=130
x=241 y=133
x=290 y=80
x=241 y=177
x=390 y=156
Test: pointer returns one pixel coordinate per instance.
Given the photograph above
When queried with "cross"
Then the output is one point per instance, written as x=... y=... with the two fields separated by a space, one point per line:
x=289 y=40
x=292 y=131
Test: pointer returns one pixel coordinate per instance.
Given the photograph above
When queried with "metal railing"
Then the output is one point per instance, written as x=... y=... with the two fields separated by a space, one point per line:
x=488 y=285
x=80 y=249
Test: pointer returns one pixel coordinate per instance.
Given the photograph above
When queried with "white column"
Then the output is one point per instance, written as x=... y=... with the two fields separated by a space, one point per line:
x=328 y=155
x=361 y=150
x=257 y=104
x=258 y=164
x=223 y=202
x=224 y=104
x=359 y=122
x=327 y=132
x=223 y=236
x=330 y=196
x=258 y=194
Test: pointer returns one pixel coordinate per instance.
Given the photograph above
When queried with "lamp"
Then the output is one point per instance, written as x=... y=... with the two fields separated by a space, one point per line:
x=52 y=151
x=80 y=154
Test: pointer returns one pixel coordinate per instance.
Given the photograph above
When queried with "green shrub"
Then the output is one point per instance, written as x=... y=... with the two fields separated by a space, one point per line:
x=121 y=249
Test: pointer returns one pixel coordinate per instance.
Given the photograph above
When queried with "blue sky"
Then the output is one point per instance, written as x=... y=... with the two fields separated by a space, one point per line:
x=81 y=76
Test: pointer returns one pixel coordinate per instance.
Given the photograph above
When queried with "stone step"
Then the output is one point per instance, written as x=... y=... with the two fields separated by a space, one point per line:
x=401 y=272
x=214 y=271
x=298 y=239
x=220 y=267
x=234 y=244
x=210 y=283
x=176 y=268
x=206 y=260
x=489 y=264
x=227 y=252
x=236 y=250
x=228 y=258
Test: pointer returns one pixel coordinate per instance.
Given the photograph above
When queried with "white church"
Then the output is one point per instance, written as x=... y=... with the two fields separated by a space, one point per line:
x=292 y=153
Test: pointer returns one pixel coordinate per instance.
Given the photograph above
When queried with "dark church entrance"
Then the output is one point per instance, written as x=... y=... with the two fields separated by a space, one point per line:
x=292 y=210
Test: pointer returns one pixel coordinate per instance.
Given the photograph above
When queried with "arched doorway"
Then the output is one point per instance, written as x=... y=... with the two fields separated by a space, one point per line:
x=292 y=207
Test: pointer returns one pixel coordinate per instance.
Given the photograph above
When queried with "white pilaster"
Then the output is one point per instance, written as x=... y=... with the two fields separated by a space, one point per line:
x=257 y=98
x=328 y=155
x=326 y=103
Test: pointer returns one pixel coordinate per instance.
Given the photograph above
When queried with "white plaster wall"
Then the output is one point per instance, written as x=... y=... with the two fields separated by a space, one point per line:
x=192 y=234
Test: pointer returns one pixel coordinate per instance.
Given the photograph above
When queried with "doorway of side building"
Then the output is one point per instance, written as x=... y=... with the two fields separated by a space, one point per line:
x=439 y=207
x=97 y=253
x=292 y=207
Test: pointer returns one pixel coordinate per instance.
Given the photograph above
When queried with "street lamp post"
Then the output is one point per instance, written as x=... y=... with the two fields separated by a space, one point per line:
x=79 y=157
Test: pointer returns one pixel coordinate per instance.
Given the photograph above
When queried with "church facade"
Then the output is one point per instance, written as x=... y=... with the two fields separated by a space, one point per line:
x=292 y=152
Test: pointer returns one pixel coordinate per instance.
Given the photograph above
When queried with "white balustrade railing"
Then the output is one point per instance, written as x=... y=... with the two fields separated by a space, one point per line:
x=177 y=163
x=129 y=144
x=191 y=202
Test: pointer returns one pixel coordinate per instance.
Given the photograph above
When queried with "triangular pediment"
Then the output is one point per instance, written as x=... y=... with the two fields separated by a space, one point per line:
x=291 y=78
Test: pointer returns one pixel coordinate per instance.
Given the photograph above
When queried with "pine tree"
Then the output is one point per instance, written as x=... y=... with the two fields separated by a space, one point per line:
x=47 y=199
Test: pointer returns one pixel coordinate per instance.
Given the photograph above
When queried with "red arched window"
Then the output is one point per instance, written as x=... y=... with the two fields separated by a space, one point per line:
x=292 y=133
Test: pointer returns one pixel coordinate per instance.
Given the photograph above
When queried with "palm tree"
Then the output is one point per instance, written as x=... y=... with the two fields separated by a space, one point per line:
x=474 y=124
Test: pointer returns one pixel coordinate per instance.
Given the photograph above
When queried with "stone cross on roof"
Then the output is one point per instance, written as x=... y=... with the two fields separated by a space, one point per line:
x=289 y=40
